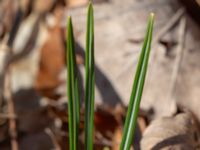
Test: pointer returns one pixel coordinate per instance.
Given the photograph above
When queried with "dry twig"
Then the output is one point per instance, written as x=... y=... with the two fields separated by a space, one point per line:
x=179 y=56
x=11 y=111
x=162 y=32
x=169 y=25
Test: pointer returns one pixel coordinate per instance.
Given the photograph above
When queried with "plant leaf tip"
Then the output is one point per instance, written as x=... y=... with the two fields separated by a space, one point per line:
x=90 y=2
x=69 y=18
x=90 y=6
x=152 y=15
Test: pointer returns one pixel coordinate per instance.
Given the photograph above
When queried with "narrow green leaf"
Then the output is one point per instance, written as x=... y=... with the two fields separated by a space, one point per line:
x=90 y=79
x=134 y=104
x=73 y=91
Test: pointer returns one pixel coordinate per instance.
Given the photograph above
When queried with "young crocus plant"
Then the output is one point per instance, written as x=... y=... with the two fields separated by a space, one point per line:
x=73 y=94
x=134 y=104
x=90 y=80
x=72 y=90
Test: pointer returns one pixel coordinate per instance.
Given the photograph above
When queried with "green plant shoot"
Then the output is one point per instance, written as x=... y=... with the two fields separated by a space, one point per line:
x=72 y=90
x=90 y=80
x=134 y=104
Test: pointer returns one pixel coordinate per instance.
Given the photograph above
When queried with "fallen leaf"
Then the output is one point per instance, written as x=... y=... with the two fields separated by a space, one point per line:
x=178 y=133
x=75 y=3
x=52 y=62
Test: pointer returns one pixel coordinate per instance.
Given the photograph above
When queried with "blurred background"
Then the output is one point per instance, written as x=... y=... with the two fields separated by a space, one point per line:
x=33 y=98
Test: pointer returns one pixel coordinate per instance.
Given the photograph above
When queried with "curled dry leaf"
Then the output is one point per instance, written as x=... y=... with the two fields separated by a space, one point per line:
x=48 y=74
x=75 y=3
x=178 y=133
x=41 y=7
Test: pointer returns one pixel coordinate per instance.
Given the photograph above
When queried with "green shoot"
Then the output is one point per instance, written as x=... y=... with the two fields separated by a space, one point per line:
x=73 y=91
x=134 y=104
x=90 y=79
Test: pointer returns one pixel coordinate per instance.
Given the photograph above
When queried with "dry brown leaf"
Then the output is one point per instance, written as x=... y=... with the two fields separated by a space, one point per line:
x=43 y=6
x=178 y=133
x=105 y=122
x=51 y=62
x=74 y=3
x=8 y=9
x=117 y=138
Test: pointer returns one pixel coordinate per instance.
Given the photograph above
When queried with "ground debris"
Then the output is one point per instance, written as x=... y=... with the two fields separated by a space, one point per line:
x=180 y=132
